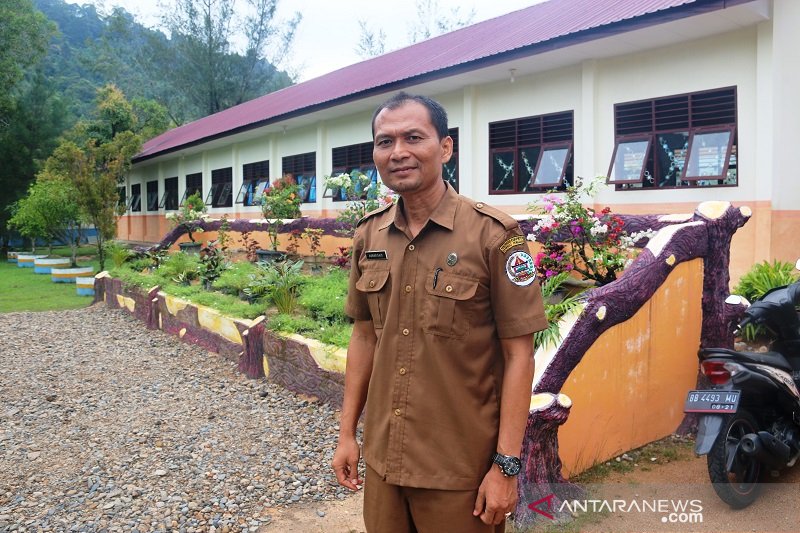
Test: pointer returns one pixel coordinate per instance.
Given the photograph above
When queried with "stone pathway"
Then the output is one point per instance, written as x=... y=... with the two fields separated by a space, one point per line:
x=107 y=426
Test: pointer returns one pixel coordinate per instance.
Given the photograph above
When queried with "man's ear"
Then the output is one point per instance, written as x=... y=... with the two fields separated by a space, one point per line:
x=447 y=149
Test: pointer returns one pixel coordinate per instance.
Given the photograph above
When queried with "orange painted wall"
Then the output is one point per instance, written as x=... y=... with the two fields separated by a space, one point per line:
x=629 y=388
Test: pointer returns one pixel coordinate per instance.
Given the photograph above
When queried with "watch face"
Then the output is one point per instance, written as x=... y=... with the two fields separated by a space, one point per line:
x=512 y=466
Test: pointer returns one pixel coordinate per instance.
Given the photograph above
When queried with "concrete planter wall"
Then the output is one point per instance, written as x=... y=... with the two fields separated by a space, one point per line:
x=26 y=260
x=84 y=286
x=68 y=275
x=45 y=264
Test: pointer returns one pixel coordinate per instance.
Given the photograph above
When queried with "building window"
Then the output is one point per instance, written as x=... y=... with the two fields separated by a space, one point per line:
x=687 y=140
x=121 y=197
x=303 y=168
x=353 y=158
x=531 y=154
x=194 y=184
x=152 y=195
x=169 y=200
x=450 y=169
x=255 y=178
x=220 y=194
x=135 y=201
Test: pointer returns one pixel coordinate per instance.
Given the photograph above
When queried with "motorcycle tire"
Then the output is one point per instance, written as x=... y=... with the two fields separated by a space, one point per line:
x=740 y=487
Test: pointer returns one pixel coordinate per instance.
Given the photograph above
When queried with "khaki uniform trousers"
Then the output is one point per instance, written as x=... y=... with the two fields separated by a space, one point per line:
x=394 y=509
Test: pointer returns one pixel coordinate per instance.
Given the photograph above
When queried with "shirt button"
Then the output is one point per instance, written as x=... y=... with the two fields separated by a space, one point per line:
x=372 y=283
x=479 y=205
x=408 y=288
x=449 y=288
x=411 y=247
x=402 y=371
x=397 y=412
x=406 y=332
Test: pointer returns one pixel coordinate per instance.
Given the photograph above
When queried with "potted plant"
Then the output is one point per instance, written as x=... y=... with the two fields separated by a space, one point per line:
x=191 y=212
x=280 y=201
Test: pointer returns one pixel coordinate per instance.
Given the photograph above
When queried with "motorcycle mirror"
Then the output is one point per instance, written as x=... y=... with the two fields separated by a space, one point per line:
x=735 y=299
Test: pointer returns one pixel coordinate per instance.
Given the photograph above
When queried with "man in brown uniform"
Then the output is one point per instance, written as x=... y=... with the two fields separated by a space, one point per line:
x=444 y=300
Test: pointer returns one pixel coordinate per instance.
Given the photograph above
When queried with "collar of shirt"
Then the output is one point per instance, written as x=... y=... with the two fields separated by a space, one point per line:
x=444 y=215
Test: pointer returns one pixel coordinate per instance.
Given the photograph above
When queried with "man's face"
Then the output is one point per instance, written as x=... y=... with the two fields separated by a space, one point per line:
x=408 y=153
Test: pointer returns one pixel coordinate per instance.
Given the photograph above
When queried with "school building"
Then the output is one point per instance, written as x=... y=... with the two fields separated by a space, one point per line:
x=676 y=101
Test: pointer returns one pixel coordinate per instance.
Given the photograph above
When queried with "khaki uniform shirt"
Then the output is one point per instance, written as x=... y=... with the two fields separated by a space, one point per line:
x=440 y=304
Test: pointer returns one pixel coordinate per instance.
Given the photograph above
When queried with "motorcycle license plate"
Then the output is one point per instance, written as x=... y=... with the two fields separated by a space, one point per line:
x=712 y=401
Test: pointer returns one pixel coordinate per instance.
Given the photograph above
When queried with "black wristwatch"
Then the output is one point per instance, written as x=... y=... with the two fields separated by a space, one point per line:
x=509 y=465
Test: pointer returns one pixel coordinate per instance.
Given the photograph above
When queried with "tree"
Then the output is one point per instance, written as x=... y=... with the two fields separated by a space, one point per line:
x=36 y=121
x=94 y=157
x=24 y=34
x=432 y=22
x=50 y=212
x=203 y=61
x=370 y=44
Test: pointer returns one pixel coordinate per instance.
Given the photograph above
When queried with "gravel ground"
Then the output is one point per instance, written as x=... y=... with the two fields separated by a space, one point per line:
x=107 y=426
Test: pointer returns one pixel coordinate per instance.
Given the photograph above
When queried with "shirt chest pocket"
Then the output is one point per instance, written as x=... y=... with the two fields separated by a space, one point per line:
x=376 y=285
x=449 y=306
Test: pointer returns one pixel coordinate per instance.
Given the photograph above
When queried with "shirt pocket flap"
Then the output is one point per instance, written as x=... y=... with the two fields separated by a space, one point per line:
x=372 y=280
x=451 y=286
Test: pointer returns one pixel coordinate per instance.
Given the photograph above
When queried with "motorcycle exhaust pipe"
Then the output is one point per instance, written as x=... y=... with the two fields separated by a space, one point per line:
x=765 y=448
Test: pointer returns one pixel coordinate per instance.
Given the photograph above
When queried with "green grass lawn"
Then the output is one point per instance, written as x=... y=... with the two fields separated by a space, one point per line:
x=22 y=290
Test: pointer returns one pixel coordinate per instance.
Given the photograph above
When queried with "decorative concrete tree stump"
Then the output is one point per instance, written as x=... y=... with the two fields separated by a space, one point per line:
x=84 y=285
x=68 y=275
x=27 y=260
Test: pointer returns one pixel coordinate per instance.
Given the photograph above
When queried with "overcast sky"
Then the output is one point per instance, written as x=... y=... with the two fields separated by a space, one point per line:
x=328 y=34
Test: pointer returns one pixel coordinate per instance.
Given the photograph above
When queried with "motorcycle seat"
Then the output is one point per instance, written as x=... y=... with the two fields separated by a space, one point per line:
x=762 y=358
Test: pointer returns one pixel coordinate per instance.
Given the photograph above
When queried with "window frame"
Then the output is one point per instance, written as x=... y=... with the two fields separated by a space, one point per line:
x=193 y=189
x=686 y=114
x=223 y=177
x=152 y=196
x=527 y=129
x=648 y=138
x=731 y=130
x=347 y=164
x=135 y=201
x=163 y=203
x=297 y=166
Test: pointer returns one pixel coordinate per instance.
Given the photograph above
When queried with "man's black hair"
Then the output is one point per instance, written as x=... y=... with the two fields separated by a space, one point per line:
x=436 y=112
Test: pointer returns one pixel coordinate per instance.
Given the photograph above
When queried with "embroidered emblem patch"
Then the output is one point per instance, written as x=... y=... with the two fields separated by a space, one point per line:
x=512 y=242
x=520 y=269
x=376 y=254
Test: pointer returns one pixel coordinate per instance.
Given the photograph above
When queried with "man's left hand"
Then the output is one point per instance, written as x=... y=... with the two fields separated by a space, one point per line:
x=497 y=496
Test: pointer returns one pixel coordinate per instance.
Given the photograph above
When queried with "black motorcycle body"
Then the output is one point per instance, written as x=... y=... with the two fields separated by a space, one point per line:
x=750 y=417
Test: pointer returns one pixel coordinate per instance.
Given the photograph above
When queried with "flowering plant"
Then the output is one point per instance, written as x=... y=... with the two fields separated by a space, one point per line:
x=192 y=211
x=280 y=200
x=578 y=238
x=363 y=196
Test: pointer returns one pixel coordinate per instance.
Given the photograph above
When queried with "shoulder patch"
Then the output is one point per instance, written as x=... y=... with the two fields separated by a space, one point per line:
x=373 y=213
x=505 y=219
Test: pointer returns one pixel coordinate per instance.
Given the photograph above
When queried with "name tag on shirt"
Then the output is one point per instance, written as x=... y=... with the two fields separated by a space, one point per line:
x=376 y=254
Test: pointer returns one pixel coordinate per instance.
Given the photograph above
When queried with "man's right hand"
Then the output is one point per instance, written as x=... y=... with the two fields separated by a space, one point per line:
x=345 y=463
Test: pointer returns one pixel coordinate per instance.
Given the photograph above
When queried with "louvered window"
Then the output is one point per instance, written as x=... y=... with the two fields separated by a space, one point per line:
x=135 y=201
x=531 y=154
x=220 y=194
x=169 y=200
x=194 y=184
x=152 y=195
x=349 y=159
x=303 y=168
x=686 y=140
x=255 y=178
x=450 y=169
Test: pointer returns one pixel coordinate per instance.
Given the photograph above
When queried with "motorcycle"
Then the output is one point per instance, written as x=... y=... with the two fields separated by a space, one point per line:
x=750 y=417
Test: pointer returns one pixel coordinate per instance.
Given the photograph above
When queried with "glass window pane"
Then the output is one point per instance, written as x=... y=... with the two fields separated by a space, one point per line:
x=708 y=154
x=503 y=171
x=450 y=172
x=528 y=157
x=629 y=160
x=551 y=166
x=670 y=152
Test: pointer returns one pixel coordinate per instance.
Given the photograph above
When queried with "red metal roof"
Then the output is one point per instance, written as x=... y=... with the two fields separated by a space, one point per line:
x=528 y=31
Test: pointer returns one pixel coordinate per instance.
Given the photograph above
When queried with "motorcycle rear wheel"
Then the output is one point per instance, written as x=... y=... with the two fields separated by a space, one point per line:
x=739 y=487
